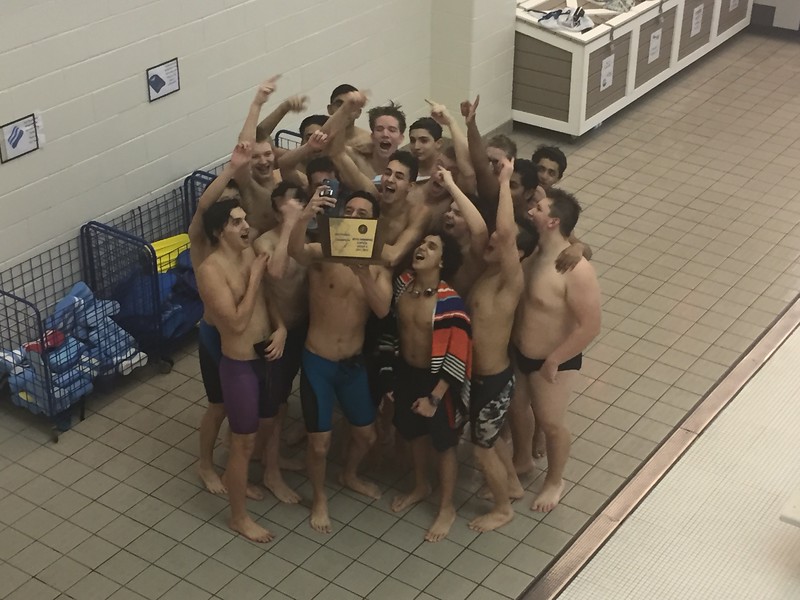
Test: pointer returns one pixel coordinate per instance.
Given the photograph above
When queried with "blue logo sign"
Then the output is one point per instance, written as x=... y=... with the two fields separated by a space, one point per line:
x=156 y=83
x=16 y=137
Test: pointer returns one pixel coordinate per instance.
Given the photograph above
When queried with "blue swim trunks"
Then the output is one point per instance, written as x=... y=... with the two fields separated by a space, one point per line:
x=323 y=382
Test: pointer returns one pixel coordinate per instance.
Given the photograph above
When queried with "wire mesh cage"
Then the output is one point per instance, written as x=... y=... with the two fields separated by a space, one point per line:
x=193 y=187
x=141 y=261
x=288 y=140
x=49 y=368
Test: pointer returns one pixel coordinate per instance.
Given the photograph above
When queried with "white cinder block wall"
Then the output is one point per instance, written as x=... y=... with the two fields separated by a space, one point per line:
x=472 y=52
x=82 y=64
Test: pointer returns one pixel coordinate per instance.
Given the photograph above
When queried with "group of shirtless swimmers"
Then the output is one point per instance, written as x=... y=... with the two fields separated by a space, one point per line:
x=479 y=310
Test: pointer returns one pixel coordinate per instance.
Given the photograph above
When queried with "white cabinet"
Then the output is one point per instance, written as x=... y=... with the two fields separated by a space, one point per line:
x=570 y=81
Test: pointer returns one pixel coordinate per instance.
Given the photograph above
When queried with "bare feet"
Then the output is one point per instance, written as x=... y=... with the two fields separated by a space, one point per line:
x=291 y=464
x=549 y=496
x=211 y=480
x=253 y=492
x=524 y=467
x=441 y=526
x=320 y=521
x=400 y=503
x=515 y=491
x=370 y=490
x=251 y=530
x=491 y=520
x=280 y=490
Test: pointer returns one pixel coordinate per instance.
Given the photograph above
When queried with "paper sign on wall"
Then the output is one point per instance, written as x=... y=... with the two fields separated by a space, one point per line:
x=733 y=5
x=37 y=116
x=163 y=79
x=697 y=20
x=18 y=138
x=607 y=73
x=655 y=46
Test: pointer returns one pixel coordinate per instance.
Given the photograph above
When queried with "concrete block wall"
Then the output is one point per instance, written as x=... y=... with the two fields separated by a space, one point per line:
x=82 y=64
x=472 y=52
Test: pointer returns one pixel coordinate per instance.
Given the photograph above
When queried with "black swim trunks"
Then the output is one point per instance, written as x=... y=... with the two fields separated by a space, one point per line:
x=529 y=365
x=412 y=383
x=210 y=353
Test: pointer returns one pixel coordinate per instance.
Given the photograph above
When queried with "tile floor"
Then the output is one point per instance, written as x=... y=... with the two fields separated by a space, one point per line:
x=693 y=211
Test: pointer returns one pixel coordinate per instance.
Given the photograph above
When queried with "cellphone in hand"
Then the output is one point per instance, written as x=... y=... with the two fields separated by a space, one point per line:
x=331 y=192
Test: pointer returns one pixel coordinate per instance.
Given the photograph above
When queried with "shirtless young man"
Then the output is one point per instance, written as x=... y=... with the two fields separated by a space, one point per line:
x=557 y=317
x=287 y=290
x=455 y=158
x=355 y=136
x=340 y=301
x=230 y=284
x=550 y=163
x=294 y=162
x=402 y=223
x=464 y=222
x=492 y=303
x=524 y=186
x=210 y=350
x=387 y=125
x=435 y=361
x=425 y=143
x=257 y=184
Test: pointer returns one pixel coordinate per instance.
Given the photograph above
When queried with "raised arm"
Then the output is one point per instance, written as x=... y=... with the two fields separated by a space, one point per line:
x=240 y=160
x=292 y=159
x=345 y=115
x=408 y=239
x=349 y=173
x=299 y=250
x=376 y=281
x=278 y=264
x=478 y=232
x=270 y=122
x=505 y=225
x=486 y=181
x=264 y=91
x=466 y=173
x=218 y=297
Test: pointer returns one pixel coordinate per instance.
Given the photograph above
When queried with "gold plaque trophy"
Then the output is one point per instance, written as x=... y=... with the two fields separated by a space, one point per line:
x=350 y=240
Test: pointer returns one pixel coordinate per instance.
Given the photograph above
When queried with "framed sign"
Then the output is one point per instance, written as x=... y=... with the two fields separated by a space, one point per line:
x=163 y=79
x=20 y=137
x=350 y=240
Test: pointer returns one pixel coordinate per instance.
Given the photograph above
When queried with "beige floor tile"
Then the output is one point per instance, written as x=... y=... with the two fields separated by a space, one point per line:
x=692 y=346
x=634 y=402
x=634 y=363
x=635 y=446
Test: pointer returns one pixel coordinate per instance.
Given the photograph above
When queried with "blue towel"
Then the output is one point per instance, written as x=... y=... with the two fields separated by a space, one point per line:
x=29 y=391
x=65 y=356
x=66 y=309
x=97 y=312
x=110 y=339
